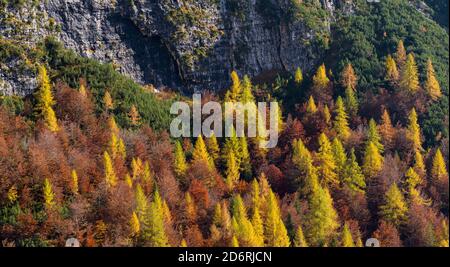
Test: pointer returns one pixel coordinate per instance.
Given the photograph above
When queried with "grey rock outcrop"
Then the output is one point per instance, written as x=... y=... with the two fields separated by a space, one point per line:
x=186 y=45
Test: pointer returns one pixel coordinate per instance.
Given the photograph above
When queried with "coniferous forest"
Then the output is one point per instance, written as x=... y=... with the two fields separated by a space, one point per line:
x=362 y=150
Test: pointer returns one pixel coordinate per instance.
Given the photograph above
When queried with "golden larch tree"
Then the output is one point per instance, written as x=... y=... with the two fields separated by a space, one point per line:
x=394 y=209
x=110 y=174
x=326 y=164
x=438 y=169
x=108 y=101
x=49 y=195
x=45 y=101
x=298 y=76
x=340 y=123
x=413 y=131
x=392 y=73
x=134 y=117
x=320 y=79
x=431 y=84
x=311 y=105
x=346 y=237
x=373 y=161
x=409 y=78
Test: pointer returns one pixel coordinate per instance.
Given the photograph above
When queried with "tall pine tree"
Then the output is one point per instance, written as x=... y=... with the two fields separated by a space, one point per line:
x=340 y=123
x=45 y=101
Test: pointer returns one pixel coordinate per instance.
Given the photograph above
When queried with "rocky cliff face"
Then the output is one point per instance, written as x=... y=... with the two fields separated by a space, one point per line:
x=187 y=45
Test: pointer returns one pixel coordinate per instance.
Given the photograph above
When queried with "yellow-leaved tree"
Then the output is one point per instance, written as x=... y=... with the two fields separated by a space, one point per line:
x=49 y=195
x=110 y=174
x=340 y=123
x=431 y=84
x=373 y=161
x=394 y=209
x=409 y=78
x=326 y=163
x=392 y=73
x=45 y=101
x=413 y=131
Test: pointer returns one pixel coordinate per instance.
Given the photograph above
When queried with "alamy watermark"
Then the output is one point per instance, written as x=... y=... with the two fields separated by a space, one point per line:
x=236 y=115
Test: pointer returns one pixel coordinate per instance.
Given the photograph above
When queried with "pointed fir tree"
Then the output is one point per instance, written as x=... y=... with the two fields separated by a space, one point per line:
x=112 y=125
x=395 y=209
x=134 y=117
x=409 y=79
x=234 y=242
x=110 y=174
x=108 y=101
x=147 y=177
x=340 y=158
x=45 y=101
x=346 y=238
x=247 y=95
x=274 y=229
x=373 y=136
x=258 y=227
x=245 y=166
x=326 y=164
x=232 y=144
x=82 y=89
x=298 y=76
x=217 y=216
x=135 y=226
x=232 y=172
x=201 y=154
x=213 y=147
x=302 y=159
x=326 y=115
x=353 y=176
x=155 y=234
x=358 y=242
x=392 y=73
x=142 y=205
x=320 y=79
x=299 y=239
x=419 y=165
x=180 y=165
x=226 y=219
x=373 y=161
x=74 y=182
x=340 y=123
x=255 y=194
x=113 y=146
x=242 y=227
x=311 y=106
x=49 y=195
x=438 y=169
x=190 y=207
x=413 y=181
x=136 y=167
x=322 y=218
x=235 y=90
x=413 y=131
x=128 y=180
x=431 y=84
x=386 y=129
